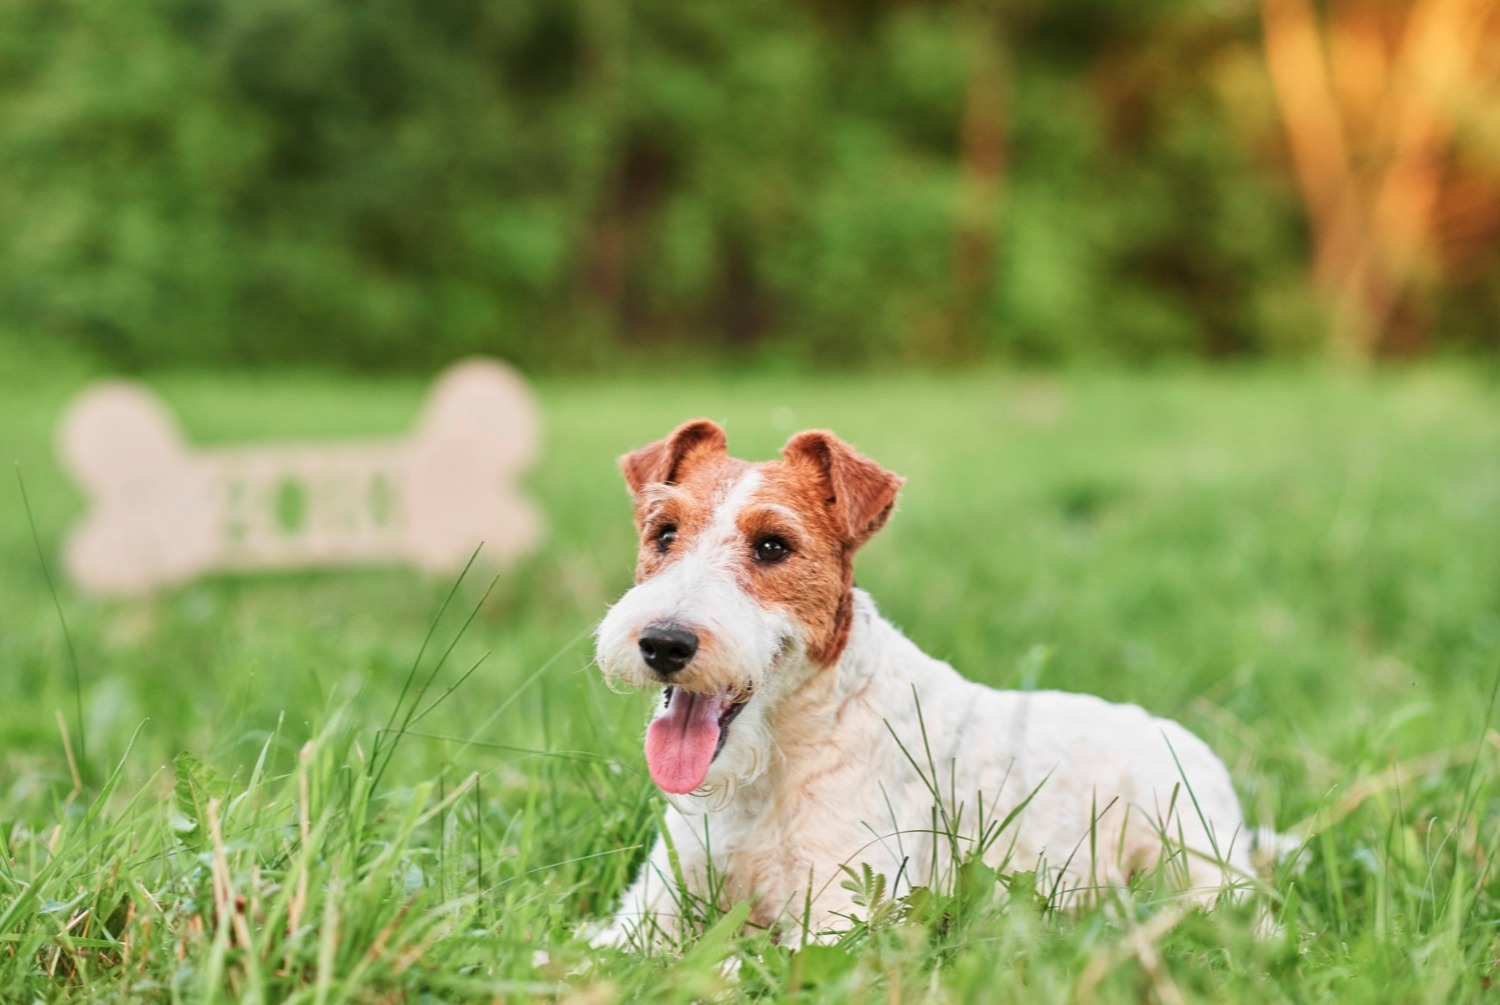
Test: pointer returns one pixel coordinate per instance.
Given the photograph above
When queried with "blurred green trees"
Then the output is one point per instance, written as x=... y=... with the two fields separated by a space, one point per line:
x=395 y=182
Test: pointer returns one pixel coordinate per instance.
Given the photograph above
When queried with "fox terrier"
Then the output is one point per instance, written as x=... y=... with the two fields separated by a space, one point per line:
x=800 y=733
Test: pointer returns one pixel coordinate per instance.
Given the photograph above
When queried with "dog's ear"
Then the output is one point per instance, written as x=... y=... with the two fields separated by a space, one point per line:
x=860 y=492
x=666 y=460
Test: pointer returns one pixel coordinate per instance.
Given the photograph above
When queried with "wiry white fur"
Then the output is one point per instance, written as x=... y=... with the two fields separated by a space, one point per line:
x=813 y=774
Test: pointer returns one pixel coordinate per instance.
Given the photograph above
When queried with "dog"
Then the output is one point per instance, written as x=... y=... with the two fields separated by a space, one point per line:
x=800 y=734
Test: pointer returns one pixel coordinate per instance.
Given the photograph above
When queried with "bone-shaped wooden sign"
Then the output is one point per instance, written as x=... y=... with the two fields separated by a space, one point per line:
x=160 y=512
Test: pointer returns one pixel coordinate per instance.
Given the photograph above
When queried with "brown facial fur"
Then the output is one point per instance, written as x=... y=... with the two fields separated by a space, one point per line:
x=823 y=499
x=687 y=505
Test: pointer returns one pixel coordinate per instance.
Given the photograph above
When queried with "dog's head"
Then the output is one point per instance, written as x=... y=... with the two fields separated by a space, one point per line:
x=743 y=592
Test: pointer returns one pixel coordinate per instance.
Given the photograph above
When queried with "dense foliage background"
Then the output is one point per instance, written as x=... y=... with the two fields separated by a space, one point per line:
x=395 y=182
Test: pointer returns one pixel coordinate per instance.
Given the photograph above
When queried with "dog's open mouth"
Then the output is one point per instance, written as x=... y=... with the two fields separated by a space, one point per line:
x=682 y=744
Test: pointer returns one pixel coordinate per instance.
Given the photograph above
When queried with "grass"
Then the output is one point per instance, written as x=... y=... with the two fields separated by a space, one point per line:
x=1300 y=567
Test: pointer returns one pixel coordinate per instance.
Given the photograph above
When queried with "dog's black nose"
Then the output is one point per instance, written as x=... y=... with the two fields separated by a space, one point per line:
x=667 y=649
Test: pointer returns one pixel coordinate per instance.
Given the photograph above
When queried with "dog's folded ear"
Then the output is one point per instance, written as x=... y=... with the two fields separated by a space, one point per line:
x=667 y=459
x=860 y=492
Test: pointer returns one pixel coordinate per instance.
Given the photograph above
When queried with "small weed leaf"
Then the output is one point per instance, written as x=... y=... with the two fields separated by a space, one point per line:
x=867 y=885
x=976 y=884
x=1023 y=889
x=197 y=783
x=921 y=905
x=869 y=888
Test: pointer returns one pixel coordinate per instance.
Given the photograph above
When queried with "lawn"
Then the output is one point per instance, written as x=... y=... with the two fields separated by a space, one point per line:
x=1304 y=568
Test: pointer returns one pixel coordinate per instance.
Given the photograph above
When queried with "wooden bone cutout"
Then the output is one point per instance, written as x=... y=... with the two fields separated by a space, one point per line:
x=161 y=513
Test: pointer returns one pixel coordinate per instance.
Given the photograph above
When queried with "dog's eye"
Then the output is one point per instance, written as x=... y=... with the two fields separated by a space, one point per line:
x=771 y=549
x=665 y=537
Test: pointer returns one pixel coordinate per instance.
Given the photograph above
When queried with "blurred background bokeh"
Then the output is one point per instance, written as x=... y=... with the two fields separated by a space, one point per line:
x=801 y=183
x=1181 y=318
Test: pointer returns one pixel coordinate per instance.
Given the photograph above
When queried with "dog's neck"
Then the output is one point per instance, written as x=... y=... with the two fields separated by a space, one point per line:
x=810 y=724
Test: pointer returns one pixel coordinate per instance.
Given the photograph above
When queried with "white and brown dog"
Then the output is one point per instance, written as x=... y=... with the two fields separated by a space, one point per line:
x=800 y=732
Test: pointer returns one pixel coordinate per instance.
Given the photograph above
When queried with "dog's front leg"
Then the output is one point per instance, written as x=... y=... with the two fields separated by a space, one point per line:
x=827 y=918
x=647 y=914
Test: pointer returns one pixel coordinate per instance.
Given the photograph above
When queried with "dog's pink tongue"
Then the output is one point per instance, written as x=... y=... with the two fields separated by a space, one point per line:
x=680 y=745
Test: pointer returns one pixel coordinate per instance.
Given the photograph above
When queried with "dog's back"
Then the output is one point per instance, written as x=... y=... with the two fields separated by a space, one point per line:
x=922 y=763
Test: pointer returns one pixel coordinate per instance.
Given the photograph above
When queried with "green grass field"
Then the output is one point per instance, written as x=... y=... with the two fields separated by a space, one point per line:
x=1304 y=569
